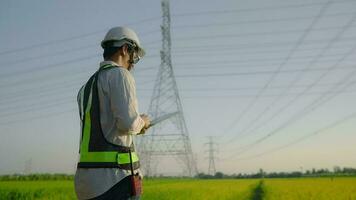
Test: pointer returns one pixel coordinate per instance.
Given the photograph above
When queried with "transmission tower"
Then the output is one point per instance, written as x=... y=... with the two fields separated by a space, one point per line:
x=211 y=151
x=169 y=138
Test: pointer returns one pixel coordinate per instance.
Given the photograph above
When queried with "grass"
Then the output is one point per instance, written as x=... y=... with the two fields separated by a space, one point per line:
x=153 y=189
x=198 y=189
x=49 y=190
x=311 y=189
x=177 y=189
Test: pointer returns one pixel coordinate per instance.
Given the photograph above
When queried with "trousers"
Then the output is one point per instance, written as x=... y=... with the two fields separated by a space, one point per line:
x=120 y=191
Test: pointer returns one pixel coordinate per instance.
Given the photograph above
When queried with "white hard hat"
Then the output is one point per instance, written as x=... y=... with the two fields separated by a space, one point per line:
x=119 y=36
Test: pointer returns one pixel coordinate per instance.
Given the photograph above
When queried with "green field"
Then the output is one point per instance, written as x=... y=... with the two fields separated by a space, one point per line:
x=311 y=188
x=245 y=189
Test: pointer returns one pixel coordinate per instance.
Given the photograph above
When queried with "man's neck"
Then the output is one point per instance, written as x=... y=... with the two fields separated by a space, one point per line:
x=118 y=62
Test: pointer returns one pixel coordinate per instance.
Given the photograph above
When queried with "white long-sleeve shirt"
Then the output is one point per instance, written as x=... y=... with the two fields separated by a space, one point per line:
x=120 y=121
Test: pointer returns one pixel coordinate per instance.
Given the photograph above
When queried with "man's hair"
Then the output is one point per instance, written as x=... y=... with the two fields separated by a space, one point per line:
x=110 y=51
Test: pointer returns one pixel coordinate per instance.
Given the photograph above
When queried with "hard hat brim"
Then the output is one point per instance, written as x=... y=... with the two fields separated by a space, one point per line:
x=141 y=52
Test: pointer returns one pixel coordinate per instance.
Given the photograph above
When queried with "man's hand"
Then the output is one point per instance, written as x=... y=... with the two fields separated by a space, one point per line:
x=147 y=121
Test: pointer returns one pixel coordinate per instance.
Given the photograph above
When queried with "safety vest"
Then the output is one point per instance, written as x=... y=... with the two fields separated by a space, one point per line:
x=95 y=151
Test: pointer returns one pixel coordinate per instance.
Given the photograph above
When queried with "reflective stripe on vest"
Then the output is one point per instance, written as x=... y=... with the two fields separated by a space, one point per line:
x=95 y=150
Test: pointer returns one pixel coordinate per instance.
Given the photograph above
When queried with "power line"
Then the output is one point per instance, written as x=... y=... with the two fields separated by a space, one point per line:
x=251 y=65
x=47 y=90
x=244 y=35
x=231 y=74
x=258 y=45
x=253 y=34
x=262 y=44
x=255 y=73
x=242 y=51
x=309 y=108
x=77 y=80
x=41 y=68
x=34 y=109
x=38 y=117
x=53 y=42
x=31 y=109
x=206 y=55
x=92 y=56
x=44 y=91
x=37 y=106
x=41 y=108
x=245 y=88
x=258 y=21
x=72 y=99
x=297 y=78
x=244 y=64
x=270 y=80
x=53 y=89
x=265 y=95
x=80 y=48
x=267 y=8
x=53 y=54
x=301 y=139
x=179 y=39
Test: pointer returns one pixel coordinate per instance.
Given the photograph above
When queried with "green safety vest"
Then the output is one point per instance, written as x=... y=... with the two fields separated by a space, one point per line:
x=95 y=151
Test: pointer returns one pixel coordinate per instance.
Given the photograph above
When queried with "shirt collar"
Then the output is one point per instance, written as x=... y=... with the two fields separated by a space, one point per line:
x=108 y=62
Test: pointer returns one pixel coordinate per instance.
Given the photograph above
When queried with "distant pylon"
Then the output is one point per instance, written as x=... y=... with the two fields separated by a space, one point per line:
x=169 y=138
x=211 y=151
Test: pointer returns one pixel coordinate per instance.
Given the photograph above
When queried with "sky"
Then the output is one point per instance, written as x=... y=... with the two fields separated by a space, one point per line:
x=272 y=82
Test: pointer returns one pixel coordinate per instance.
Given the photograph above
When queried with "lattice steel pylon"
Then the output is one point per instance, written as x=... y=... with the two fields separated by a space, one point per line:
x=211 y=151
x=169 y=138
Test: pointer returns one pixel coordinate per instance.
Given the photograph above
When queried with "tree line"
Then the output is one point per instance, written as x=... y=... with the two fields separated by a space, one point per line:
x=337 y=171
x=36 y=177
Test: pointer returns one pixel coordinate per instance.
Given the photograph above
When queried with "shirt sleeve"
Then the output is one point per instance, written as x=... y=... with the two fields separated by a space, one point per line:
x=123 y=102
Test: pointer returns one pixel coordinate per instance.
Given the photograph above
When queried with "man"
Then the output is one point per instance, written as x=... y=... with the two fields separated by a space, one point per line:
x=109 y=121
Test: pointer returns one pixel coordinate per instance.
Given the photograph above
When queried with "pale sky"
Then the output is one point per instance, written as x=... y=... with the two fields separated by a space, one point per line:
x=273 y=81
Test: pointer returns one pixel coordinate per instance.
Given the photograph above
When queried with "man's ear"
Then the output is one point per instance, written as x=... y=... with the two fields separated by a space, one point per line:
x=124 y=49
